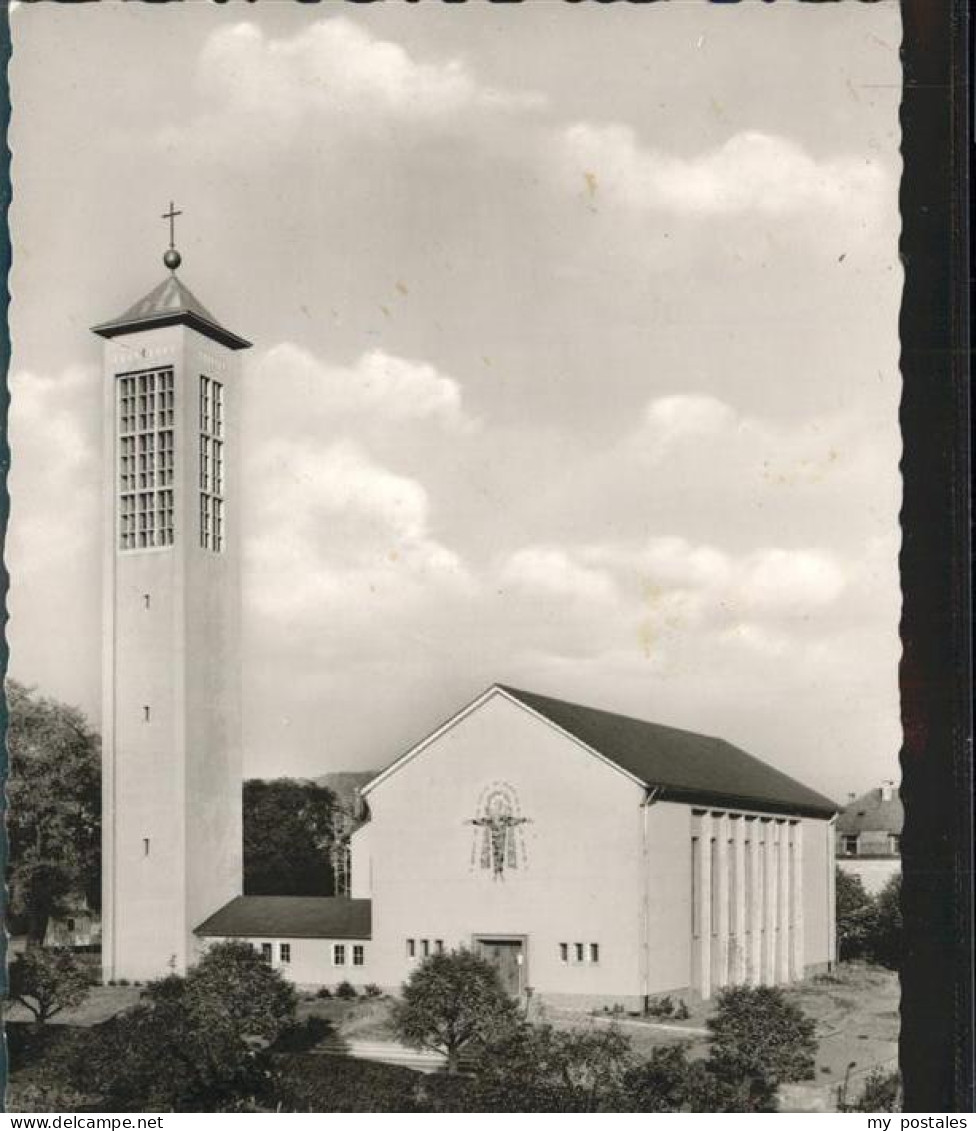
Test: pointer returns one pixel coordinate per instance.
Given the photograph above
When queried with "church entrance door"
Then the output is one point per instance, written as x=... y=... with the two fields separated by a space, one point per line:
x=508 y=958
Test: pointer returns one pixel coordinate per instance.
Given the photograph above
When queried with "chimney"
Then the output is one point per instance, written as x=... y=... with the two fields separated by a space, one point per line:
x=887 y=790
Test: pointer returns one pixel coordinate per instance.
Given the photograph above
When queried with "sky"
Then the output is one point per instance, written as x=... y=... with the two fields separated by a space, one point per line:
x=575 y=364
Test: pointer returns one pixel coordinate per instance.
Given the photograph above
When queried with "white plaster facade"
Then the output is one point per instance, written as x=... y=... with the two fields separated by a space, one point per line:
x=171 y=718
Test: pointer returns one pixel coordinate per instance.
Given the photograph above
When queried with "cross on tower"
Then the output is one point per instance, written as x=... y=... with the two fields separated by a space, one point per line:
x=171 y=216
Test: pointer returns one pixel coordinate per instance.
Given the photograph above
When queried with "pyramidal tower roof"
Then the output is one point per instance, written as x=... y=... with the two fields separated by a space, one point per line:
x=169 y=304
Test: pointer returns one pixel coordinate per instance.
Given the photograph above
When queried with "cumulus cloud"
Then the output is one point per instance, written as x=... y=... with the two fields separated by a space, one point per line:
x=752 y=172
x=333 y=526
x=290 y=378
x=550 y=571
x=334 y=70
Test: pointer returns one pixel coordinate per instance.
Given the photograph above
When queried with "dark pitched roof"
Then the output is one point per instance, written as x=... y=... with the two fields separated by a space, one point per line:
x=685 y=766
x=872 y=812
x=290 y=917
x=170 y=303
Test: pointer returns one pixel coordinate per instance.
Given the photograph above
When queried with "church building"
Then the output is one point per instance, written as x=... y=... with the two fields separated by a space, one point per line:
x=592 y=857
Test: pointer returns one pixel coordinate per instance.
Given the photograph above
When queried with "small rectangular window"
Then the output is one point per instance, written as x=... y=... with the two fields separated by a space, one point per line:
x=284 y=952
x=358 y=956
x=594 y=952
x=425 y=947
x=850 y=845
x=70 y=924
x=563 y=952
x=439 y=946
x=411 y=948
x=578 y=950
x=266 y=952
x=338 y=954
x=145 y=846
x=145 y=714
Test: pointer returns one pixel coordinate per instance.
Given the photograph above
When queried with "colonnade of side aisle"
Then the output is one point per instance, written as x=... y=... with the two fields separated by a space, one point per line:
x=747 y=906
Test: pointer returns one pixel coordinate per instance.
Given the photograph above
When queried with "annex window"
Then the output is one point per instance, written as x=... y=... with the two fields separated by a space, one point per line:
x=425 y=947
x=266 y=952
x=284 y=952
x=211 y=464
x=411 y=948
x=145 y=454
x=359 y=956
x=578 y=950
x=338 y=954
x=438 y=946
x=145 y=846
x=594 y=952
x=563 y=952
x=850 y=845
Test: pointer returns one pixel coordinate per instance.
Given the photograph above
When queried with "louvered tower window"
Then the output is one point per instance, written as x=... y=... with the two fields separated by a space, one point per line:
x=211 y=464
x=145 y=452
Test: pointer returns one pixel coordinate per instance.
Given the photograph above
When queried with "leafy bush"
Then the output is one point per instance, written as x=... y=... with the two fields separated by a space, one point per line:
x=315 y=1083
x=323 y=992
x=453 y=1003
x=759 y=1041
x=661 y=1007
x=372 y=990
x=193 y=1043
x=881 y=1092
x=46 y=982
x=541 y=1068
x=681 y=1011
x=346 y=991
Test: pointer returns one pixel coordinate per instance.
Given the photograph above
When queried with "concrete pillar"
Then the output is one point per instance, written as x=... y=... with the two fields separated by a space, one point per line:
x=797 y=959
x=785 y=904
x=705 y=915
x=738 y=941
x=768 y=862
x=754 y=956
x=720 y=901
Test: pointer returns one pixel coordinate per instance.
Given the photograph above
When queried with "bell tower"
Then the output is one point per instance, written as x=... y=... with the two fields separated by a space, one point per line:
x=171 y=668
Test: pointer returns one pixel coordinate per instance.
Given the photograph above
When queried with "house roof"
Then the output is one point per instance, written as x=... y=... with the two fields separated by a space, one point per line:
x=290 y=917
x=684 y=765
x=872 y=812
x=168 y=304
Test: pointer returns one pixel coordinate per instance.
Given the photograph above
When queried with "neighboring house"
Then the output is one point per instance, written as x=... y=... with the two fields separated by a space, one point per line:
x=78 y=928
x=869 y=836
x=593 y=858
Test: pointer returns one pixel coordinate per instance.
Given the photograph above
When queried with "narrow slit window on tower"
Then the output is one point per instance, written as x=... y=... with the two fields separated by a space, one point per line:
x=211 y=464
x=146 y=600
x=146 y=713
x=145 y=846
x=145 y=459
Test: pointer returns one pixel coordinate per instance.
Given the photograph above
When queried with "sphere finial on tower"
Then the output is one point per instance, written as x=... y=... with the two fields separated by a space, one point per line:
x=172 y=257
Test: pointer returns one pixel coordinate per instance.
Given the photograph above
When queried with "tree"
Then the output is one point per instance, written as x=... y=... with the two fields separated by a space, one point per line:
x=855 y=916
x=760 y=1040
x=453 y=1003
x=47 y=982
x=54 y=817
x=195 y=1043
x=884 y=944
x=288 y=836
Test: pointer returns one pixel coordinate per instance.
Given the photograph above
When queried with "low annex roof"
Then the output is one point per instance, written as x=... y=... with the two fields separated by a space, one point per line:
x=290 y=917
x=682 y=765
x=170 y=303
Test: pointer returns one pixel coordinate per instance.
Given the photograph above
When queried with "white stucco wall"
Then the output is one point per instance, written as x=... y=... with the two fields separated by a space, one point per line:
x=312 y=962
x=173 y=781
x=581 y=880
